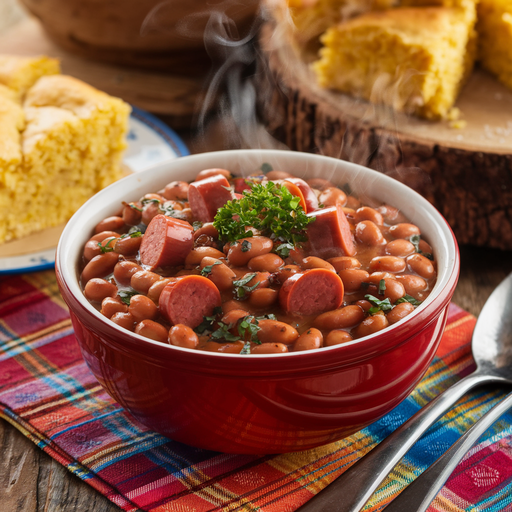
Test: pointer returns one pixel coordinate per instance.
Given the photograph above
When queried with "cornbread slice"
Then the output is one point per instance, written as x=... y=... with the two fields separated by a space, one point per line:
x=313 y=17
x=413 y=59
x=20 y=73
x=65 y=146
x=494 y=29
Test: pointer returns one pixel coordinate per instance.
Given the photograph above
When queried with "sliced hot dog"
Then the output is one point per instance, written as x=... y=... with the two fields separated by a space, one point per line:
x=166 y=242
x=187 y=299
x=311 y=293
x=329 y=235
x=207 y=196
x=309 y=196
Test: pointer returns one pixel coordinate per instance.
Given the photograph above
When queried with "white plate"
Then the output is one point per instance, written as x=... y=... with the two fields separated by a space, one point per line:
x=150 y=142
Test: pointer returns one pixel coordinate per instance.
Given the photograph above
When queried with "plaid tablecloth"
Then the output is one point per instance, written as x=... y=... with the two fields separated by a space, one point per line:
x=48 y=393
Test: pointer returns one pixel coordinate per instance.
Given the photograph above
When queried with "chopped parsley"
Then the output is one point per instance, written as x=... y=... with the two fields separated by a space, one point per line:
x=415 y=240
x=108 y=246
x=206 y=271
x=132 y=234
x=241 y=290
x=382 y=287
x=246 y=246
x=408 y=298
x=378 y=305
x=126 y=295
x=271 y=209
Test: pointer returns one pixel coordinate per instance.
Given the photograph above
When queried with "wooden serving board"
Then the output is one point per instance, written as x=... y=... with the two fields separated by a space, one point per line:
x=466 y=172
x=170 y=94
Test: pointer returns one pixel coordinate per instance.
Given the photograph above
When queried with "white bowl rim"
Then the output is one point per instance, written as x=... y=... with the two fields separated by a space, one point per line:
x=67 y=246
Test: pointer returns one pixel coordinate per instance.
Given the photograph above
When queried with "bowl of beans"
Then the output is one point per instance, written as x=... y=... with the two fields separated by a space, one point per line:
x=258 y=301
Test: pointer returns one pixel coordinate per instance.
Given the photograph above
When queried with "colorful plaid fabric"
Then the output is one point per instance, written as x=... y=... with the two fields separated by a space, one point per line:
x=47 y=392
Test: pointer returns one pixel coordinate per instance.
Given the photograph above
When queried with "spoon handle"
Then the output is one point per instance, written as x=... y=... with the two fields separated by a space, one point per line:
x=350 y=491
x=420 y=493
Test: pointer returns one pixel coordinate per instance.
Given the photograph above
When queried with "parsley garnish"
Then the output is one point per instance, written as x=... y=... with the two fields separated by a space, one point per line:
x=107 y=247
x=148 y=201
x=382 y=287
x=240 y=288
x=246 y=246
x=284 y=250
x=270 y=209
x=378 y=305
x=408 y=298
x=126 y=295
x=196 y=225
x=208 y=321
x=205 y=271
x=131 y=234
x=415 y=240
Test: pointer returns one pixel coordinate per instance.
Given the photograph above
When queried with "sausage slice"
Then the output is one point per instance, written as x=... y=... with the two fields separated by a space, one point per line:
x=307 y=192
x=207 y=196
x=166 y=242
x=187 y=299
x=329 y=235
x=311 y=293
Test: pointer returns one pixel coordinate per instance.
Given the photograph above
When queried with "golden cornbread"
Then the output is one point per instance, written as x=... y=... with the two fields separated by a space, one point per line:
x=59 y=147
x=413 y=59
x=20 y=73
x=495 y=38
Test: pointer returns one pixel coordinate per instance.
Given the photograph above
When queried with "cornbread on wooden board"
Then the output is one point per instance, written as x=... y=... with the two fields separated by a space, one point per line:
x=413 y=59
x=495 y=38
x=62 y=142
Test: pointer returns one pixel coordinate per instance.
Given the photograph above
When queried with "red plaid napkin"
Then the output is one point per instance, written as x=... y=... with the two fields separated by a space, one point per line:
x=48 y=393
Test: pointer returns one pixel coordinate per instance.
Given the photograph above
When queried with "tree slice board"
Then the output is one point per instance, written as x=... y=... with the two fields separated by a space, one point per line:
x=174 y=95
x=466 y=173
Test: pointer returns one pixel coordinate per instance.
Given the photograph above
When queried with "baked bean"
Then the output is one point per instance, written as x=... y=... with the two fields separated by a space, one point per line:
x=181 y=335
x=309 y=340
x=364 y=304
x=142 y=280
x=150 y=210
x=278 y=175
x=337 y=337
x=399 y=311
x=208 y=230
x=220 y=274
x=285 y=272
x=350 y=213
x=347 y=316
x=260 y=278
x=232 y=304
x=332 y=196
x=269 y=262
x=404 y=230
x=226 y=348
x=152 y=330
x=353 y=203
x=367 y=213
x=127 y=246
x=391 y=214
x=315 y=262
x=98 y=237
x=273 y=331
x=196 y=255
x=371 y=325
x=113 y=223
x=367 y=232
x=232 y=316
x=400 y=247
x=208 y=173
x=142 y=308
x=97 y=289
x=413 y=284
x=394 y=290
x=124 y=270
x=112 y=305
x=100 y=266
x=376 y=277
x=156 y=288
x=91 y=249
x=269 y=348
x=125 y=320
x=170 y=205
x=262 y=298
x=245 y=249
x=387 y=264
x=425 y=247
x=186 y=214
x=352 y=278
x=319 y=183
x=344 y=262
x=176 y=190
x=421 y=265
x=132 y=214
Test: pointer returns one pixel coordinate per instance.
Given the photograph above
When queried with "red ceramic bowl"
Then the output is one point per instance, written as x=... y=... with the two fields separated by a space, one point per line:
x=259 y=403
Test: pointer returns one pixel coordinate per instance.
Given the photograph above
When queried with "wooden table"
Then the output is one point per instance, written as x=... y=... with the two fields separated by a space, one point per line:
x=31 y=481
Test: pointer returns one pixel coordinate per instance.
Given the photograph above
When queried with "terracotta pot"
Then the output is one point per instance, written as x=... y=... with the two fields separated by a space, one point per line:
x=151 y=33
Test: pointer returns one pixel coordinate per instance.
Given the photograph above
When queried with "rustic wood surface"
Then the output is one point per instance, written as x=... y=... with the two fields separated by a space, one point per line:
x=466 y=173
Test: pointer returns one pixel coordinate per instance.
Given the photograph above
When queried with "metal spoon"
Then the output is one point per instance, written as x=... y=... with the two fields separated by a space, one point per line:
x=419 y=494
x=492 y=351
